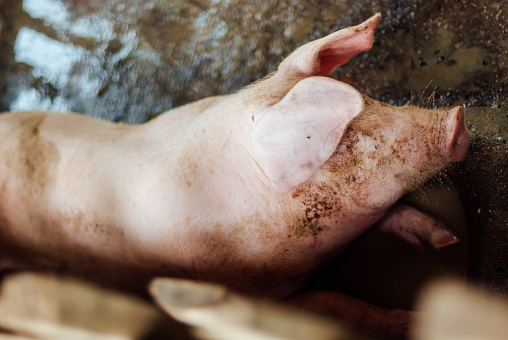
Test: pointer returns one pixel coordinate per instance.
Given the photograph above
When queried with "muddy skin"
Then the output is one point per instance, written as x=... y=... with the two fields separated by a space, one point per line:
x=35 y=157
x=348 y=168
x=349 y=178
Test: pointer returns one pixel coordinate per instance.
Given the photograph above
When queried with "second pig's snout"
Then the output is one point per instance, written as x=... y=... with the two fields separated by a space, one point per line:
x=457 y=135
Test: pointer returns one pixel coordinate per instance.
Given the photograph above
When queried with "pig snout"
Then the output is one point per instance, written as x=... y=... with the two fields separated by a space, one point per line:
x=457 y=135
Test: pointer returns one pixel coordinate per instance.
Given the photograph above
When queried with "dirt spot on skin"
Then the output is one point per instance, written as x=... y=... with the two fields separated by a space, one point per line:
x=36 y=157
x=319 y=201
x=309 y=226
x=315 y=208
x=81 y=223
x=107 y=230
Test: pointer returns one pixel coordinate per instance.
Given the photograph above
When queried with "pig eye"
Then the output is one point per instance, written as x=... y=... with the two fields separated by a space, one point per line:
x=308 y=137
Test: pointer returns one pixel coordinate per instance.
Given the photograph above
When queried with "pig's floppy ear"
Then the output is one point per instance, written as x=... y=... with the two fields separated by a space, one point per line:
x=320 y=57
x=298 y=134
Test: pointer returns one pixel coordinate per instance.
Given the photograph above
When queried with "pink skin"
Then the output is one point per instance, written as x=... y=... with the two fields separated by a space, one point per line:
x=254 y=190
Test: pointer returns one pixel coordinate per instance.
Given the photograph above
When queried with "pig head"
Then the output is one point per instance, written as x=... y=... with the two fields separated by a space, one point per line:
x=347 y=158
x=253 y=190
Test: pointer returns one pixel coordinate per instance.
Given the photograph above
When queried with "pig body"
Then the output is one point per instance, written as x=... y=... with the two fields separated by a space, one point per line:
x=253 y=190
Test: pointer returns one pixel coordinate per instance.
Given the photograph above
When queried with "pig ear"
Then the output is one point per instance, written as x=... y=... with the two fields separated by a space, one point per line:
x=298 y=134
x=322 y=56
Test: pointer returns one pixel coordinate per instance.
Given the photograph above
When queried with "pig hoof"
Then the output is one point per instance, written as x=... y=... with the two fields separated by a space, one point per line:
x=443 y=238
x=173 y=293
x=417 y=227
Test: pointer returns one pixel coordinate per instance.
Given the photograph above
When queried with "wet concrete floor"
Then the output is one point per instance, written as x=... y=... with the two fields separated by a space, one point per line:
x=131 y=60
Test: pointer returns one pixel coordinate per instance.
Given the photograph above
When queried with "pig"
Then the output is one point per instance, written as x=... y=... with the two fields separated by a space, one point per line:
x=254 y=190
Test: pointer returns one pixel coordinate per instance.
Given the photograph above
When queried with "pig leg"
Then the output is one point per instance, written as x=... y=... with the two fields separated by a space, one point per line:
x=417 y=227
x=363 y=316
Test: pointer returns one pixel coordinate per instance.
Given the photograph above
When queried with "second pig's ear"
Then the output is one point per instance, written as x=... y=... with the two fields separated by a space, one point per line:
x=293 y=138
x=320 y=57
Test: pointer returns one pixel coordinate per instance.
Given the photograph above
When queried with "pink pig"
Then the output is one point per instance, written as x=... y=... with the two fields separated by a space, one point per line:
x=254 y=190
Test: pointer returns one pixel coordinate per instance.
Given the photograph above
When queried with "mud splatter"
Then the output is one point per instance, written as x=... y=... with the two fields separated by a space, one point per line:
x=35 y=157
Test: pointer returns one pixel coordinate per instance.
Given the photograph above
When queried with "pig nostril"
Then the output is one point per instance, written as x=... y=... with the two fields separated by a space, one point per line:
x=459 y=135
x=460 y=113
x=456 y=143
